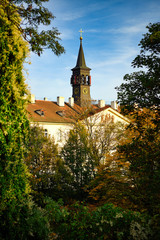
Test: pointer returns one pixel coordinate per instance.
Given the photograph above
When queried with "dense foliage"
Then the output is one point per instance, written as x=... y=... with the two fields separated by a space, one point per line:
x=78 y=160
x=41 y=158
x=48 y=176
x=130 y=174
x=19 y=217
x=14 y=187
x=85 y=150
x=106 y=222
x=33 y=16
x=142 y=154
x=140 y=97
x=111 y=184
x=143 y=87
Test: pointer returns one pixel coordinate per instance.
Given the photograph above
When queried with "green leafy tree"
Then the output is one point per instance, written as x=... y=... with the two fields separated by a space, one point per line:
x=16 y=207
x=14 y=186
x=106 y=222
x=78 y=160
x=143 y=87
x=33 y=14
x=48 y=173
x=41 y=158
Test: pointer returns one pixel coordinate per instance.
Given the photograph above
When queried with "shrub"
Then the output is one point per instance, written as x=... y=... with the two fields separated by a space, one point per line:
x=107 y=222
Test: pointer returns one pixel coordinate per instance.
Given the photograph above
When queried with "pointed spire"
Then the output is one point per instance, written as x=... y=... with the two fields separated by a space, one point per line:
x=81 y=63
x=81 y=60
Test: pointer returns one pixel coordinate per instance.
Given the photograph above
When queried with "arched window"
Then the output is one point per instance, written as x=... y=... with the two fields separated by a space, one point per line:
x=82 y=79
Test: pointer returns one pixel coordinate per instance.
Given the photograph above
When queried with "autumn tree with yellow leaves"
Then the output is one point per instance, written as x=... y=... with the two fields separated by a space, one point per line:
x=130 y=176
x=139 y=97
x=142 y=154
x=112 y=182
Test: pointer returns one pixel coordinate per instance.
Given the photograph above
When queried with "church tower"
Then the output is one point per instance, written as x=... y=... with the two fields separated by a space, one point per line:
x=81 y=79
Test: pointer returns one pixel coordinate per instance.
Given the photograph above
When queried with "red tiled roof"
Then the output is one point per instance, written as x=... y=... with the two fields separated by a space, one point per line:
x=52 y=112
x=56 y=114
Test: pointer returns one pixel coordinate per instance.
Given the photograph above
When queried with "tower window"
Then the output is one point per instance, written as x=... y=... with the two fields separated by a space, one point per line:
x=89 y=80
x=82 y=79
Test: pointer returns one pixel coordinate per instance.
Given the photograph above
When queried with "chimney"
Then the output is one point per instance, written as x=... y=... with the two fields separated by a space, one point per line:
x=32 y=99
x=45 y=99
x=101 y=103
x=60 y=101
x=71 y=101
x=114 y=105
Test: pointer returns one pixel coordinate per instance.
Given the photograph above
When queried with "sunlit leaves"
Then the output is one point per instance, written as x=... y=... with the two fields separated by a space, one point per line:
x=143 y=155
x=14 y=185
x=33 y=16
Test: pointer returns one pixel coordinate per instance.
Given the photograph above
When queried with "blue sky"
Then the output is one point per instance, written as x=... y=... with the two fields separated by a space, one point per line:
x=112 y=32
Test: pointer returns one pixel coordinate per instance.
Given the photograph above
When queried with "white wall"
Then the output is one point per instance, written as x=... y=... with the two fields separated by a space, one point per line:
x=60 y=130
x=57 y=130
x=108 y=114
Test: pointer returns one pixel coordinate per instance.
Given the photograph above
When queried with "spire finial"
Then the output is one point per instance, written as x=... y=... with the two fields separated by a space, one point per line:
x=81 y=33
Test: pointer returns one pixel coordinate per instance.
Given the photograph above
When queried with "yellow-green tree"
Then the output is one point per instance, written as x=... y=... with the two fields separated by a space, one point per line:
x=103 y=133
x=111 y=184
x=48 y=174
x=17 y=211
x=142 y=154
x=14 y=187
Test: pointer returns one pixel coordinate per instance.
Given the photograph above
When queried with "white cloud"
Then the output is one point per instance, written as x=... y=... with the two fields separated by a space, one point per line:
x=66 y=34
x=119 y=57
x=73 y=11
x=134 y=29
x=71 y=15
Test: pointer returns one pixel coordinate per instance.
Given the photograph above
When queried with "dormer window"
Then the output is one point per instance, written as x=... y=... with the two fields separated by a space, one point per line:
x=40 y=112
x=60 y=113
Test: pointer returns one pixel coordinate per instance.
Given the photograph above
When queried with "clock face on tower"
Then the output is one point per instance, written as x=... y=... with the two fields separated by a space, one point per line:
x=85 y=90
